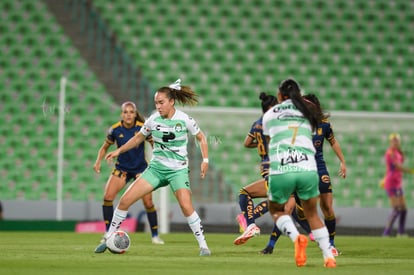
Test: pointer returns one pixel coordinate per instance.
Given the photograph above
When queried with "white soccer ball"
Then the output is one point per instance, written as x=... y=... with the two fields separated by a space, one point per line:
x=118 y=242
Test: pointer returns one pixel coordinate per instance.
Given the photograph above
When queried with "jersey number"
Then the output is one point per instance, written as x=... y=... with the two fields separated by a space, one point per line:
x=295 y=129
x=260 y=145
x=167 y=136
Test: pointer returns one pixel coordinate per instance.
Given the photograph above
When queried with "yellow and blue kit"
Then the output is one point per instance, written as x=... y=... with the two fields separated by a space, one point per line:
x=133 y=161
x=256 y=132
x=324 y=131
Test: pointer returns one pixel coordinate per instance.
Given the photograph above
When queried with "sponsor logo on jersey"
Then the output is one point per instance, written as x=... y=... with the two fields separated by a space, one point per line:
x=319 y=131
x=290 y=156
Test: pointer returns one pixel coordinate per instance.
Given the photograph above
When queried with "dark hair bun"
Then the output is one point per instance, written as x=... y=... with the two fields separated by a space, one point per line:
x=263 y=96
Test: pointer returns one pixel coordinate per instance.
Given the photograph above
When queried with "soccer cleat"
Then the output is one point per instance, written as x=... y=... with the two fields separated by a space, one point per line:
x=268 y=250
x=311 y=237
x=251 y=231
x=335 y=251
x=330 y=263
x=101 y=248
x=204 y=251
x=157 y=240
x=241 y=219
x=301 y=243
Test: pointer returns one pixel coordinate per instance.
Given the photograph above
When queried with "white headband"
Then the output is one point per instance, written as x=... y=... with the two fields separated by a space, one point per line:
x=176 y=85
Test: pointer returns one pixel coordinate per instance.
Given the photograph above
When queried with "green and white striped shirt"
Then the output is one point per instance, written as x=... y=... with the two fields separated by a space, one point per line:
x=290 y=148
x=170 y=138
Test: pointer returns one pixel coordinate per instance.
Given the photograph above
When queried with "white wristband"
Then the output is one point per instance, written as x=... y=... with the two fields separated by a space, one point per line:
x=205 y=160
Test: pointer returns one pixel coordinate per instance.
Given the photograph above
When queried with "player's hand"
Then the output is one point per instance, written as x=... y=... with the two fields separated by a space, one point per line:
x=204 y=168
x=111 y=155
x=342 y=170
x=97 y=167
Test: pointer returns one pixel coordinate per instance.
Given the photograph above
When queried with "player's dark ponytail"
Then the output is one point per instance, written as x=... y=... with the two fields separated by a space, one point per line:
x=184 y=94
x=290 y=89
x=313 y=100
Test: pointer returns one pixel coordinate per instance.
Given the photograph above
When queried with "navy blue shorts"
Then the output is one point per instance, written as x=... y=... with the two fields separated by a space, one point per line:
x=325 y=185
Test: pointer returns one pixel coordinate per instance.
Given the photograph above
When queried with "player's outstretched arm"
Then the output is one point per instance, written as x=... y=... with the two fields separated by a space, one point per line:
x=132 y=143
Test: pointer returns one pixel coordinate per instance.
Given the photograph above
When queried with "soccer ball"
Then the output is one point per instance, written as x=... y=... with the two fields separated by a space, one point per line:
x=118 y=242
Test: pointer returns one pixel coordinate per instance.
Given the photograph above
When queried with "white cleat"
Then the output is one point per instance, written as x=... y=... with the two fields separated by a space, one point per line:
x=251 y=231
x=157 y=240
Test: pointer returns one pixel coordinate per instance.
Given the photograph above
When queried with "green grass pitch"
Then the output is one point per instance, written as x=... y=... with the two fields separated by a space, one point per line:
x=71 y=253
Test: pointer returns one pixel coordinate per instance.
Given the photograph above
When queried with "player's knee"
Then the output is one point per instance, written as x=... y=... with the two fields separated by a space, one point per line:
x=148 y=203
x=327 y=210
x=186 y=207
x=125 y=203
x=109 y=197
x=187 y=210
x=150 y=209
x=275 y=207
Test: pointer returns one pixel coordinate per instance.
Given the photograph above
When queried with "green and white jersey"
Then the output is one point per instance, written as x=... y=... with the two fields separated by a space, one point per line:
x=170 y=139
x=290 y=148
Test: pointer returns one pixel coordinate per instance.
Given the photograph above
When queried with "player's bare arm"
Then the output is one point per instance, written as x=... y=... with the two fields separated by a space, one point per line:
x=250 y=142
x=338 y=151
x=132 y=143
x=101 y=153
x=201 y=138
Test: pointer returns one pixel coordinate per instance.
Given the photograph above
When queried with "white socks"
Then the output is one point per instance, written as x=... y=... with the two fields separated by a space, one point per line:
x=287 y=227
x=322 y=238
x=193 y=221
x=117 y=219
x=195 y=224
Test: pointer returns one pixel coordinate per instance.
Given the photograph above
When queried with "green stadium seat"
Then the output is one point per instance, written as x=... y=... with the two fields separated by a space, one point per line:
x=356 y=62
x=32 y=74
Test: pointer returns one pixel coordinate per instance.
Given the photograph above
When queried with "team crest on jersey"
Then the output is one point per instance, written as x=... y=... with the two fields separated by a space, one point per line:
x=121 y=135
x=319 y=131
x=178 y=127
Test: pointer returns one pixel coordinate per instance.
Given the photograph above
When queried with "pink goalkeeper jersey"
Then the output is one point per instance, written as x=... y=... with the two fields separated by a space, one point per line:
x=393 y=176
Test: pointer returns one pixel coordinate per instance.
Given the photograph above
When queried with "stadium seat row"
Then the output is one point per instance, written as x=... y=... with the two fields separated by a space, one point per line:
x=228 y=52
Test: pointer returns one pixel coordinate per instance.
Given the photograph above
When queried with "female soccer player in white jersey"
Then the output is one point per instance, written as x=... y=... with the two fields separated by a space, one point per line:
x=289 y=127
x=129 y=166
x=169 y=128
